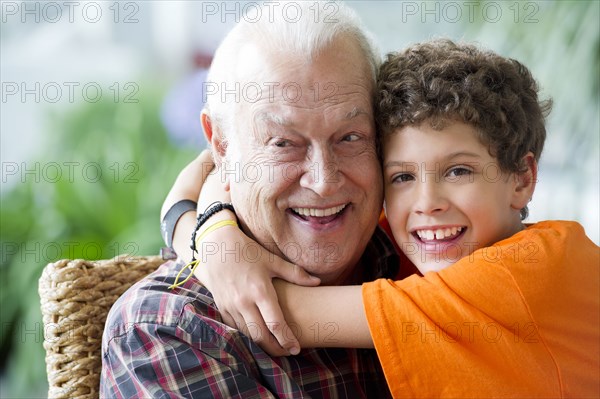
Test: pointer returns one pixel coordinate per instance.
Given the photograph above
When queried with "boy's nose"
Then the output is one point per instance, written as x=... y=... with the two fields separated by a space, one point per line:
x=430 y=197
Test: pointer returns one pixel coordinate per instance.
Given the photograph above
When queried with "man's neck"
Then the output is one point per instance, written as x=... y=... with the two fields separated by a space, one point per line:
x=351 y=275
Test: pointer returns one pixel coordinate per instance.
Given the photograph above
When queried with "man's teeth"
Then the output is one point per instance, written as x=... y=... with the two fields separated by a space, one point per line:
x=319 y=212
x=439 y=234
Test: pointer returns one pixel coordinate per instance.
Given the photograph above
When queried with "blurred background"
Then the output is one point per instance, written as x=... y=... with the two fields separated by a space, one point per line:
x=100 y=106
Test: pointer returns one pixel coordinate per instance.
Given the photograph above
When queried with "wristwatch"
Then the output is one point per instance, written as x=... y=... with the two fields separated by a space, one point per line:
x=167 y=226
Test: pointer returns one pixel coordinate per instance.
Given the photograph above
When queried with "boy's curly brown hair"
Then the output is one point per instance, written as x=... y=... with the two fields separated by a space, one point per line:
x=440 y=82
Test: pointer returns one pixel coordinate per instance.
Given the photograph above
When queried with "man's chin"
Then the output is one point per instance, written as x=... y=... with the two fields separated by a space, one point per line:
x=327 y=263
x=327 y=253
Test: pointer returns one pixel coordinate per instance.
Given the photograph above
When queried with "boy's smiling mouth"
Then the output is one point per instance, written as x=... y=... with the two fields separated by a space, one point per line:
x=439 y=234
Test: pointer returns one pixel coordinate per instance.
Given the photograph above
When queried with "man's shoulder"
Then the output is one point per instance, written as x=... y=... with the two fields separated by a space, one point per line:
x=150 y=319
x=152 y=301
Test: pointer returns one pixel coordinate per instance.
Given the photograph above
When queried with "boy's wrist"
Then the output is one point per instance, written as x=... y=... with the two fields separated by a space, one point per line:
x=172 y=216
x=216 y=214
x=225 y=214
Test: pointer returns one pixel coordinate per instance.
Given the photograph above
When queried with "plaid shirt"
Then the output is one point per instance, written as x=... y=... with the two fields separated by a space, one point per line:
x=161 y=343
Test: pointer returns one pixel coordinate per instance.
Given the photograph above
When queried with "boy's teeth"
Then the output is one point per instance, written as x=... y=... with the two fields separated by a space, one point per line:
x=319 y=212
x=439 y=234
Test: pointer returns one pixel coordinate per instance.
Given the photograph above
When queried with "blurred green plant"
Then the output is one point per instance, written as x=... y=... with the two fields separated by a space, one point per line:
x=559 y=41
x=564 y=55
x=116 y=164
x=99 y=217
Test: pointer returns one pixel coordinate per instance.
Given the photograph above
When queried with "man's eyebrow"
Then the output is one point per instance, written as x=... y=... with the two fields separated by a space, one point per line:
x=356 y=111
x=270 y=117
x=280 y=120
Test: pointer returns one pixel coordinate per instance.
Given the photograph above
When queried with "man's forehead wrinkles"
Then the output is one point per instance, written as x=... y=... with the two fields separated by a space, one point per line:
x=286 y=122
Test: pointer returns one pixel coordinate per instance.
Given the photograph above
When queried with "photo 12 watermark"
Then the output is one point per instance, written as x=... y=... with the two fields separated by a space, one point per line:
x=319 y=333
x=72 y=92
x=269 y=92
x=222 y=252
x=70 y=172
x=518 y=252
x=46 y=252
x=91 y=12
x=253 y=12
x=469 y=11
x=468 y=332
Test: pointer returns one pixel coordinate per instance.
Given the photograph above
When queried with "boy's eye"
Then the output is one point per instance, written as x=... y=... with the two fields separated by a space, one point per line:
x=402 y=178
x=459 y=171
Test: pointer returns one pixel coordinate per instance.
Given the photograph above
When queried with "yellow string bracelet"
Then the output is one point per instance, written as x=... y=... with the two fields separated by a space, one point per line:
x=194 y=263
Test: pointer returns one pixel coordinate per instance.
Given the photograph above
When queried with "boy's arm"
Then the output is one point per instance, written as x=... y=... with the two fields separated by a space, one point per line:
x=187 y=186
x=332 y=316
x=242 y=288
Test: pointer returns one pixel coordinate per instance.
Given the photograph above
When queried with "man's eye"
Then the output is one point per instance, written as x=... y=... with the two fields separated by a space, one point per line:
x=282 y=143
x=402 y=178
x=351 y=137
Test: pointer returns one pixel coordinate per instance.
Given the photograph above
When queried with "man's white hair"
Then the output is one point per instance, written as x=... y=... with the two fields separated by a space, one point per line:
x=294 y=29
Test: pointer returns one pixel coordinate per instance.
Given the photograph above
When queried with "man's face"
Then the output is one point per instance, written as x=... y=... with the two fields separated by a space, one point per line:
x=302 y=165
x=445 y=195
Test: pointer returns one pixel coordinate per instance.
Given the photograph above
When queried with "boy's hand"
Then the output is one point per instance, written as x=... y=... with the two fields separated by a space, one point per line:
x=243 y=289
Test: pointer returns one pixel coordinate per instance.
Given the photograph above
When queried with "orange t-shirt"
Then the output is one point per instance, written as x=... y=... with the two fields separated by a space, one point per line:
x=518 y=319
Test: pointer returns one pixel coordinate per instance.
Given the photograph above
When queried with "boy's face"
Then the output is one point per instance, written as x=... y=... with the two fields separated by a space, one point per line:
x=445 y=195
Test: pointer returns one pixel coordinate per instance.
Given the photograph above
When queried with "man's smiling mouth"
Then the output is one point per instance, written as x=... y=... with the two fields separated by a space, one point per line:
x=319 y=215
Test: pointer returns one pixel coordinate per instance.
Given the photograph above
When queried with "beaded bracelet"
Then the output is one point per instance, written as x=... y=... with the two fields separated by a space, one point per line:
x=212 y=209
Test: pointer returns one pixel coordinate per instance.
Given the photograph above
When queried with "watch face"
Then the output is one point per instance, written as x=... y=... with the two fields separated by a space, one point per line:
x=163 y=230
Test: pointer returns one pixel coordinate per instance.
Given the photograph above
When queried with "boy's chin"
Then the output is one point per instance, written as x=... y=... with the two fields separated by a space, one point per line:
x=433 y=265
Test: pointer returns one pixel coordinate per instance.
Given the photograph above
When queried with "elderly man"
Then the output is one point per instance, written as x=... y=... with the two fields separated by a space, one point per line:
x=290 y=120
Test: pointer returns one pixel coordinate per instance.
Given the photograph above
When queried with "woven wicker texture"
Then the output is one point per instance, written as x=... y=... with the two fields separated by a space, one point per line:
x=76 y=296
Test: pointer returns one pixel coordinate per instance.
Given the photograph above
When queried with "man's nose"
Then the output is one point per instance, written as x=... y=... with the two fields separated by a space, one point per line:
x=322 y=174
x=430 y=196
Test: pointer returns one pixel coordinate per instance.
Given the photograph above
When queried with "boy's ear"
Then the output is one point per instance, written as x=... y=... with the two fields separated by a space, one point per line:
x=215 y=138
x=525 y=181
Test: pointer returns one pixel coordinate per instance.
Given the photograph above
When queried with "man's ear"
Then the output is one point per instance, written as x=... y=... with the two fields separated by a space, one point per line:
x=525 y=181
x=218 y=146
x=213 y=136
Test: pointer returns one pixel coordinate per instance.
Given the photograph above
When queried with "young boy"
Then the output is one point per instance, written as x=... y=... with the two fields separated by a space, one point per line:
x=502 y=309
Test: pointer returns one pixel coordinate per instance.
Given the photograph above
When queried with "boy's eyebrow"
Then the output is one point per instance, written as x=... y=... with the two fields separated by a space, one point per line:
x=449 y=157
x=458 y=154
x=394 y=163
